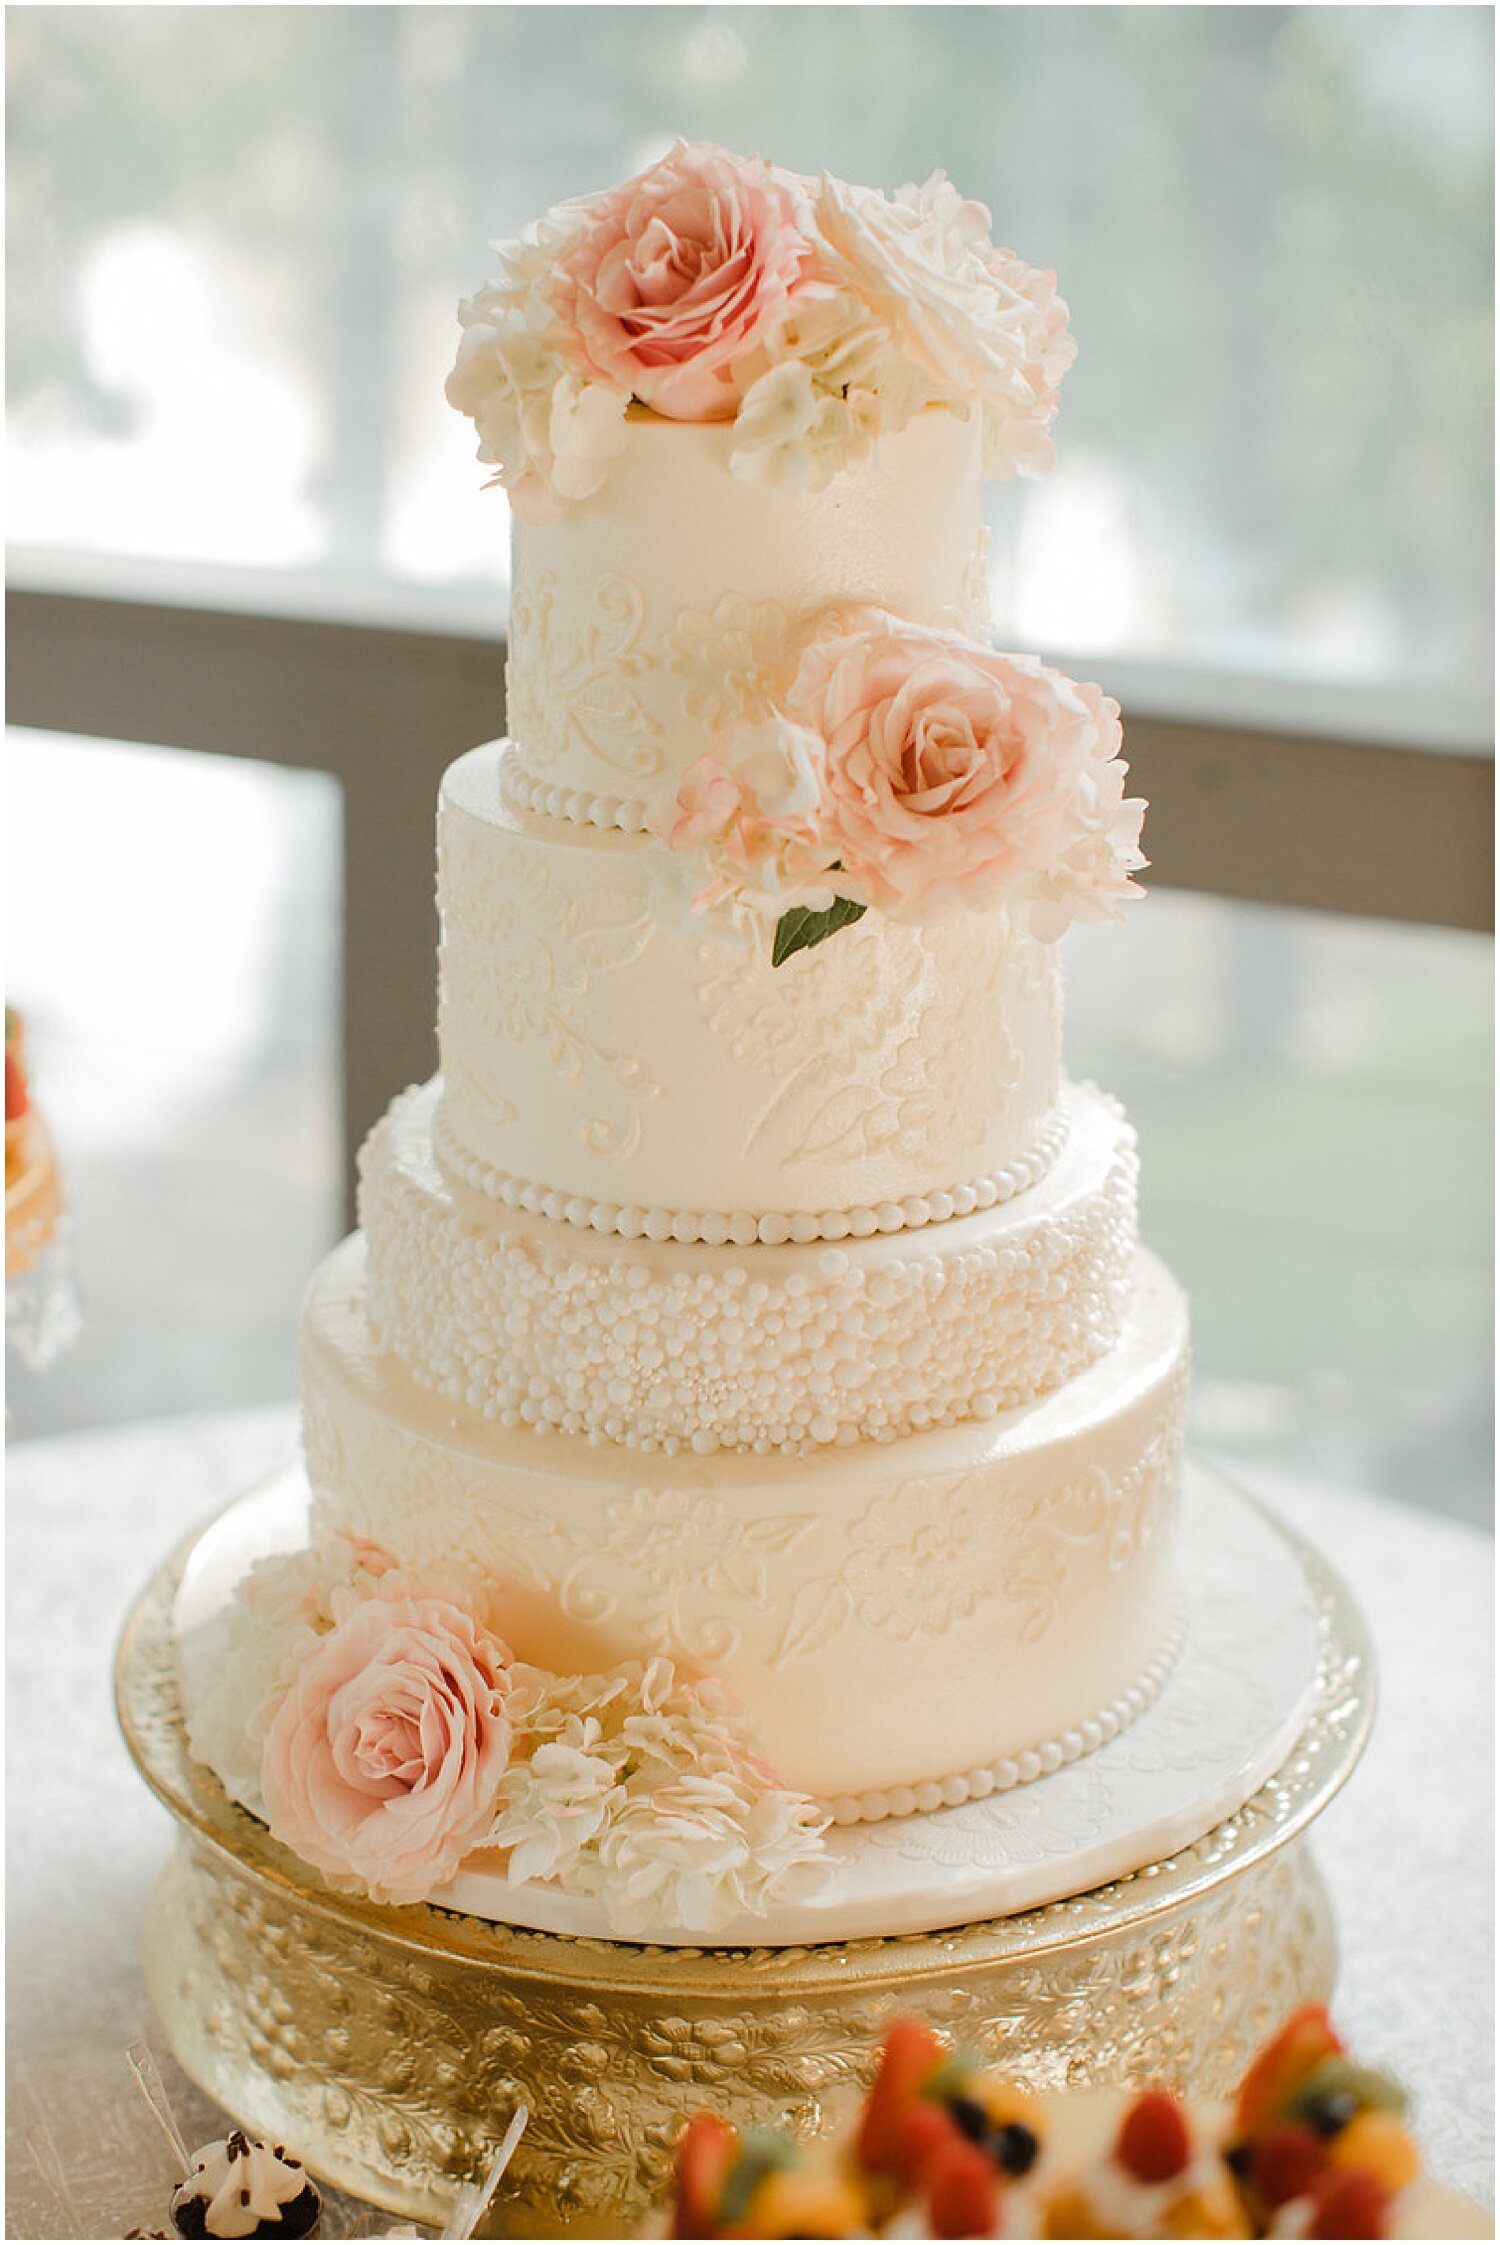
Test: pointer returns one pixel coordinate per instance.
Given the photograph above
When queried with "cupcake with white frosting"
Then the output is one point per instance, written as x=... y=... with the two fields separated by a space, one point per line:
x=241 y=2187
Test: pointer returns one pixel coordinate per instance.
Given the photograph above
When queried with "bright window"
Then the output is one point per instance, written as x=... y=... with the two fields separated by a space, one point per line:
x=237 y=236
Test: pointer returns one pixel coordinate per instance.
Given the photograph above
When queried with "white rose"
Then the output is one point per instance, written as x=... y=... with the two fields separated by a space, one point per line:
x=972 y=325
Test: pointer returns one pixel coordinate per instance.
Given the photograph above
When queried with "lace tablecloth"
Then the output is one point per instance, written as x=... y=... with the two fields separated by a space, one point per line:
x=1407 y=1850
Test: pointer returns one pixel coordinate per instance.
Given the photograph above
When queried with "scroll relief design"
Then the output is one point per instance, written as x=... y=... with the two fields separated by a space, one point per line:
x=521 y=961
x=929 y=1553
x=683 y=1551
x=579 y=686
x=876 y=1047
x=920 y=1557
x=688 y=1568
x=1094 y=1511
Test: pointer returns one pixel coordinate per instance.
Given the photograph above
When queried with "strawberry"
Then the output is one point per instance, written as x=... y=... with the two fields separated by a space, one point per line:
x=16 y=1101
x=705 y=2154
x=1154 y=2143
x=1305 y=2040
x=1352 y=2205
x=910 y=2054
x=1286 y=2163
x=963 y=2192
x=923 y=2132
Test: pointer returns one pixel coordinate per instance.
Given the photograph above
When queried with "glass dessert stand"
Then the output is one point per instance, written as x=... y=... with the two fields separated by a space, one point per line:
x=1150 y=1912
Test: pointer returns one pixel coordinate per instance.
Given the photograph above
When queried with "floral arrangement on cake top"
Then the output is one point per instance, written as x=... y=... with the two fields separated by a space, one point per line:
x=813 y=315
x=919 y=773
x=373 y=1717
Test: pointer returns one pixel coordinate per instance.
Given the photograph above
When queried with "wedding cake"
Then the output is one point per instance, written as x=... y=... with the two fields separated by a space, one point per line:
x=746 y=1407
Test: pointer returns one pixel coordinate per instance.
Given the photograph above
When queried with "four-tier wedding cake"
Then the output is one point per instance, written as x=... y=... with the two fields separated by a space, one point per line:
x=746 y=1406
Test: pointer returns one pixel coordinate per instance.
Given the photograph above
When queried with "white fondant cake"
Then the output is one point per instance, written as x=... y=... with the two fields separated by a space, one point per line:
x=599 y=1043
x=641 y=620
x=747 y=1403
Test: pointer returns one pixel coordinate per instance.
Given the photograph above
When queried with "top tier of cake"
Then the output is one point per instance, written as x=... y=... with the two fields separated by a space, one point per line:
x=668 y=604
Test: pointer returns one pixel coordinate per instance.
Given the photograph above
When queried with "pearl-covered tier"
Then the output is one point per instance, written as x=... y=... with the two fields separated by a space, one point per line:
x=665 y=1346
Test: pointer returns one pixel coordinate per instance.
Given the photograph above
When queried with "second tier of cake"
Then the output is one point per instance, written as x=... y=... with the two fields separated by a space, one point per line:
x=612 y=1058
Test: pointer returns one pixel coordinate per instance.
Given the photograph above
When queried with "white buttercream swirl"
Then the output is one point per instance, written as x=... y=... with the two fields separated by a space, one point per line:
x=241 y=2183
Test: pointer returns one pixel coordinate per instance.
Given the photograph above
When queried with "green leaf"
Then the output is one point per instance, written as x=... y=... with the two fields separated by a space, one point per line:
x=800 y=929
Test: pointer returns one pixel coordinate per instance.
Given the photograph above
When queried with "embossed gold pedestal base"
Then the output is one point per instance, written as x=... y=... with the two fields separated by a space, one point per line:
x=390 y=2047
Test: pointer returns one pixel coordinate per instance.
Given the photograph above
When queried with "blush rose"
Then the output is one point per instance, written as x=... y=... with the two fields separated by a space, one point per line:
x=949 y=771
x=673 y=278
x=383 y=1763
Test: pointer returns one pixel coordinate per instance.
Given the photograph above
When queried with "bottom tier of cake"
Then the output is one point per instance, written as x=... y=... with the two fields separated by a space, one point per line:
x=390 y=2047
x=907 y=1624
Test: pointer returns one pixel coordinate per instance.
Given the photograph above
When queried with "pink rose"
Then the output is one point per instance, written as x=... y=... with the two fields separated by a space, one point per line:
x=674 y=277
x=383 y=1763
x=950 y=771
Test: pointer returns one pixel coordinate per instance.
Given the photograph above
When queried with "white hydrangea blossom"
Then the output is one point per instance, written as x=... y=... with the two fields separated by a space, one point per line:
x=817 y=395
x=556 y=1803
x=641 y=1788
x=1092 y=875
x=237 y=1666
x=548 y=430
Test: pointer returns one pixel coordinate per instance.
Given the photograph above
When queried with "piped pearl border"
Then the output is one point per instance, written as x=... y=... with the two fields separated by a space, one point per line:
x=1005 y=1775
x=575 y=805
x=742 y=1228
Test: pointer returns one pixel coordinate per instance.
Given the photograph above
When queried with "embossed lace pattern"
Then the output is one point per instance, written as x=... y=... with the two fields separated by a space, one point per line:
x=599 y=1042
x=623 y=693
x=521 y=957
x=770 y=1581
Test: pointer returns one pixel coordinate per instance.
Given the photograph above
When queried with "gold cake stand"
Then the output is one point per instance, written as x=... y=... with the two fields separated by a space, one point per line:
x=390 y=2047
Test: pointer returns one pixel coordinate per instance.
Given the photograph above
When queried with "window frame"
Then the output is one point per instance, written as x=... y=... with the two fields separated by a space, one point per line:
x=383 y=692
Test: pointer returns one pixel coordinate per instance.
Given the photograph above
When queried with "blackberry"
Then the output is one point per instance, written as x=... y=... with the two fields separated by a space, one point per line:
x=1014 y=2148
x=970 y=2118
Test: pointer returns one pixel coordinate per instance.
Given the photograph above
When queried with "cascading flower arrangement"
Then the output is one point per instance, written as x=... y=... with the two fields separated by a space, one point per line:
x=921 y=774
x=373 y=1717
x=812 y=315
x=903 y=769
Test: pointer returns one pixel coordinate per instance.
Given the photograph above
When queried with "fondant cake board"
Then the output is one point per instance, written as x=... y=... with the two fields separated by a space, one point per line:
x=1225 y=1721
